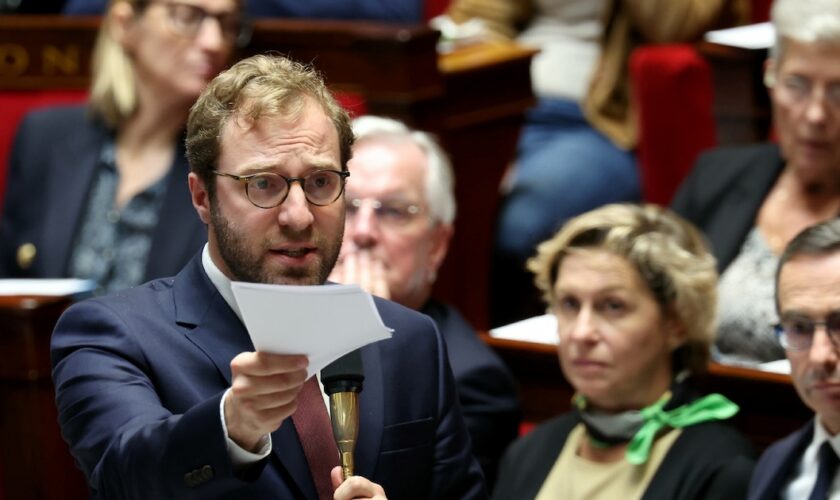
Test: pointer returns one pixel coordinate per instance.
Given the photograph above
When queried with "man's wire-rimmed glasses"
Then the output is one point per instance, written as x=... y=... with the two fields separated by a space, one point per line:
x=391 y=213
x=796 y=333
x=268 y=189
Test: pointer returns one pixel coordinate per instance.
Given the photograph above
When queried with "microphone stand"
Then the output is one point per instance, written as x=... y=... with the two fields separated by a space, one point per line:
x=345 y=423
x=342 y=381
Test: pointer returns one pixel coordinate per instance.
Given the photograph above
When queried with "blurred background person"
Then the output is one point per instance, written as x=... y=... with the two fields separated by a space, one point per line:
x=804 y=464
x=575 y=152
x=100 y=191
x=633 y=291
x=405 y=11
x=400 y=214
x=751 y=200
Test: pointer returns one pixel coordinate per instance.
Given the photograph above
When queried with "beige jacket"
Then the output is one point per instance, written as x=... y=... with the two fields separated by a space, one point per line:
x=628 y=24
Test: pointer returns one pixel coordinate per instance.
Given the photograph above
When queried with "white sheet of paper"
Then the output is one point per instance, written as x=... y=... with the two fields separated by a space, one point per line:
x=46 y=287
x=323 y=322
x=778 y=366
x=751 y=36
x=539 y=329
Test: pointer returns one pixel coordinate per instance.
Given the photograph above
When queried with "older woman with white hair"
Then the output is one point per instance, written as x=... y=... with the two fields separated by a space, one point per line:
x=633 y=291
x=99 y=191
x=752 y=200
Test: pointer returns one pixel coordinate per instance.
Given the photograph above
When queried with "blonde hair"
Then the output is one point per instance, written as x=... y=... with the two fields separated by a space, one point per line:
x=669 y=254
x=251 y=88
x=113 y=93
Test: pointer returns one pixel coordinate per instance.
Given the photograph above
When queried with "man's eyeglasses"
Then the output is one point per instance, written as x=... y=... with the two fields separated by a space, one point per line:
x=391 y=213
x=268 y=190
x=796 y=333
x=186 y=20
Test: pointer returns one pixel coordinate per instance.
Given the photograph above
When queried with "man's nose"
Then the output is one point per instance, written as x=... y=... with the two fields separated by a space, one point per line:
x=363 y=227
x=295 y=211
x=823 y=350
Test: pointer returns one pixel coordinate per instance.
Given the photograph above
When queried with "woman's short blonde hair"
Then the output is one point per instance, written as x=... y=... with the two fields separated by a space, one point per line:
x=670 y=255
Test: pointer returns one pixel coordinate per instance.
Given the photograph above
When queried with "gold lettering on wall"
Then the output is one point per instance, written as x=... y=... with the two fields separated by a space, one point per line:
x=55 y=61
x=13 y=59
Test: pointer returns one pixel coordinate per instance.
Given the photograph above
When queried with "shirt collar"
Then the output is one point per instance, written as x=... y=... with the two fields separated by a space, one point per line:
x=821 y=434
x=219 y=280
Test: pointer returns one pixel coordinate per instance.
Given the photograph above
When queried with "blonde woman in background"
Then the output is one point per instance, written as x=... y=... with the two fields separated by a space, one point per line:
x=633 y=290
x=99 y=191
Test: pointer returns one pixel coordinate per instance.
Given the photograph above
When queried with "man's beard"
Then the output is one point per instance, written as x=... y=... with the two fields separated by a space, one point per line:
x=246 y=264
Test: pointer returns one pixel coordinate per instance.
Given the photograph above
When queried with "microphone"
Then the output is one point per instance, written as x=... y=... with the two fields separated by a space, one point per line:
x=342 y=381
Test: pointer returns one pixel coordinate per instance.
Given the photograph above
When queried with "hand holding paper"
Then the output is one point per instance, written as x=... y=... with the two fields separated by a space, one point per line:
x=322 y=322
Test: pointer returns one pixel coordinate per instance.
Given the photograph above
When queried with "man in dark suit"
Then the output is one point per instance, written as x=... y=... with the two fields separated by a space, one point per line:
x=400 y=215
x=804 y=464
x=159 y=392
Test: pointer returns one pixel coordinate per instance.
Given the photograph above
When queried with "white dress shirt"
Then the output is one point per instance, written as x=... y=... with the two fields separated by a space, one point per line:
x=805 y=474
x=238 y=456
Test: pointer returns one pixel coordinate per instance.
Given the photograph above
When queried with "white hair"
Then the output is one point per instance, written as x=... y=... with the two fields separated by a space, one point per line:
x=440 y=179
x=805 y=21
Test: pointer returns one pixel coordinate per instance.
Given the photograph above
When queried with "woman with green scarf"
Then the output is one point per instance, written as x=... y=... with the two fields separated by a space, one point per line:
x=633 y=291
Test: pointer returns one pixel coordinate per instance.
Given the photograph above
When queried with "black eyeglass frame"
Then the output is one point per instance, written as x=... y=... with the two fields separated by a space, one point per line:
x=243 y=35
x=833 y=335
x=243 y=179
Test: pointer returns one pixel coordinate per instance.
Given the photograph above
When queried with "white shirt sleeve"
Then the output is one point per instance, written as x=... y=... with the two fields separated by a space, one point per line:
x=239 y=456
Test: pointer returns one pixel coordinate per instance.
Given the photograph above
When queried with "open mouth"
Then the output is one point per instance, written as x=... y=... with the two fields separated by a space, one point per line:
x=295 y=252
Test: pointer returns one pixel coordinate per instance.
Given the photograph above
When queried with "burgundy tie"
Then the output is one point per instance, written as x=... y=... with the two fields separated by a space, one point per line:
x=315 y=432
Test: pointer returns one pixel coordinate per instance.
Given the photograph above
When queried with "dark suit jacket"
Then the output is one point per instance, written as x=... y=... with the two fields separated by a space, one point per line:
x=724 y=192
x=139 y=376
x=486 y=388
x=402 y=11
x=708 y=461
x=777 y=463
x=51 y=170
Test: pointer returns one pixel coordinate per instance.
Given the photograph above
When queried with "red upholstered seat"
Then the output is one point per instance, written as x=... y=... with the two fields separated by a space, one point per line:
x=672 y=86
x=14 y=105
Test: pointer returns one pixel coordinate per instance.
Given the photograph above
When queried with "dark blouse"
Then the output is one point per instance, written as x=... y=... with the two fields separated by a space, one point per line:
x=112 y=246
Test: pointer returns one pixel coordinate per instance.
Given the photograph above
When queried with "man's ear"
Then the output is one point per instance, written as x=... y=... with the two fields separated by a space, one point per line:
x=200 y=197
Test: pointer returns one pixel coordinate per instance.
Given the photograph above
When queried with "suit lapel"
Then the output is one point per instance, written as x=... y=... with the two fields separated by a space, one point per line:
x=777 y=472
x=219 y=333
x=371 y=408
x=77 y=158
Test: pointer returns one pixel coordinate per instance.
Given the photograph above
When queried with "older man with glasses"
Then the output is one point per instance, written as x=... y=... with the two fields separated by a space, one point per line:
x=160 y=391
x=400 y=213
x=804 y=464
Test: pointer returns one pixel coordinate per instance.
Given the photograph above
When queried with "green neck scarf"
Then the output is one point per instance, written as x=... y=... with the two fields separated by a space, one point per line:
x=648 y=422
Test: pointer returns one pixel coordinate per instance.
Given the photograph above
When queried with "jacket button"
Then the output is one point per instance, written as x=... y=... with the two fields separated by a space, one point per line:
x=26 y=255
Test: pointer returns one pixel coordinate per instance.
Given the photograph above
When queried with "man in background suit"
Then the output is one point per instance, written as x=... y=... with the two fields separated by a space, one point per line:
x=159 y=392
x=804 y=464
x=400 y=214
